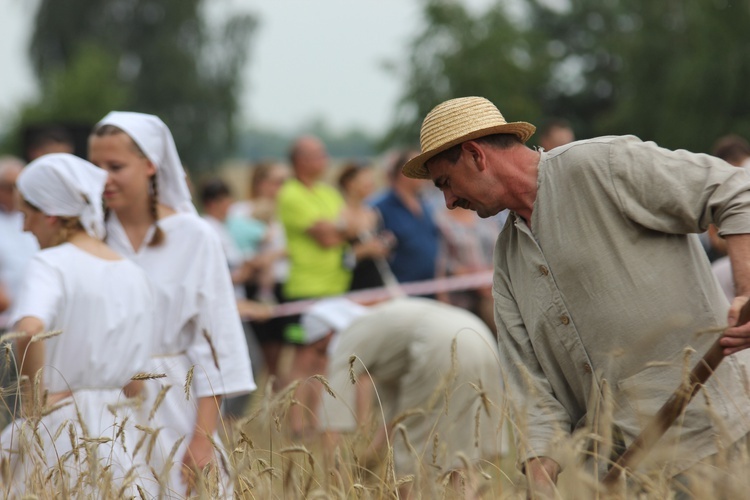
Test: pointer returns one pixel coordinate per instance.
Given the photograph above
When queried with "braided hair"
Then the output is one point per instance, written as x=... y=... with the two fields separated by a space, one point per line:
x=68 y=227
x=158 y=237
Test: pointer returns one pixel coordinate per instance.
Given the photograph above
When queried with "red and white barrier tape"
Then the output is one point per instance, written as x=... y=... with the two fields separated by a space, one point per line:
x=428 y=287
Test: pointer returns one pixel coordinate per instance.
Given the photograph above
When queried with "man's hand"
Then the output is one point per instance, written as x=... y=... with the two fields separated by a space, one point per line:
x=736 y=338
x=326 y=234
x=541 y=475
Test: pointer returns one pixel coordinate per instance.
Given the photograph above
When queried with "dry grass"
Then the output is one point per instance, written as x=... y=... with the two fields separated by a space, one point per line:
x=272 y=464
x=265 y=462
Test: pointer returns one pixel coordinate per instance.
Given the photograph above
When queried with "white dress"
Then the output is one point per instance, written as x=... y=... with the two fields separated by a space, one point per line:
x=195 y=302
x=105 y=311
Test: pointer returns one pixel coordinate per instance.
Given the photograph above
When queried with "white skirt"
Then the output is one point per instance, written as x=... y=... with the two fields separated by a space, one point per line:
x=90 y=437
x=173 y=419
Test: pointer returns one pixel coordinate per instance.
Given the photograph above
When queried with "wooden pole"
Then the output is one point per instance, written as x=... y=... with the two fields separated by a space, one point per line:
x=672 y=409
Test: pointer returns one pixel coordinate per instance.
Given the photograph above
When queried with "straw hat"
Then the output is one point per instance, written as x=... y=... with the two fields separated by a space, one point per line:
x=456 y=121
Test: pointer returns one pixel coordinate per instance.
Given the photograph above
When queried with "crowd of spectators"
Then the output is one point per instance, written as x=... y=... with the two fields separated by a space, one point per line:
x=313 y=228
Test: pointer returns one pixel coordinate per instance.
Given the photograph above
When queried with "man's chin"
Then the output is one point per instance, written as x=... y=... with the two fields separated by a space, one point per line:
x=485 y=214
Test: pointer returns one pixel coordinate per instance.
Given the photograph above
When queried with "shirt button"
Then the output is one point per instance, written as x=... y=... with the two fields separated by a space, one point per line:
x=565 y=320
x=544 y=270
x=587 y=368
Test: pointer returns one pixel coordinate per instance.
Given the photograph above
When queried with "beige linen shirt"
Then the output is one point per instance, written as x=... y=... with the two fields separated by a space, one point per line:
x=610 y=283
x=406 y=346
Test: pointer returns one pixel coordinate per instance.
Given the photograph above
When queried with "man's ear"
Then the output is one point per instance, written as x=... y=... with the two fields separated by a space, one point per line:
x=476 y=154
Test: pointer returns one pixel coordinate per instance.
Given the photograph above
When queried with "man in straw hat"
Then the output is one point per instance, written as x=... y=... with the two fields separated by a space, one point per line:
x=600 y=281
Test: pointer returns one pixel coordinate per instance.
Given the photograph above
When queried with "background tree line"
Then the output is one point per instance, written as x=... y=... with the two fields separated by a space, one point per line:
x=155 y=56
x=672 y=71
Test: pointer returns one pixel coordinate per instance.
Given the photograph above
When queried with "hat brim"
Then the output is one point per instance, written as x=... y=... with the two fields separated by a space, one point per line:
x=416 y=169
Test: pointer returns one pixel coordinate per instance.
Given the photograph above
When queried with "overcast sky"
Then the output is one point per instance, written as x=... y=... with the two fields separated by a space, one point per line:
x=308 y=59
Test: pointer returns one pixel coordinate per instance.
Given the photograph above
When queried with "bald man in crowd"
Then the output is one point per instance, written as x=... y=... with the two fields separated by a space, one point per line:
x=555 y=132
x=311 y=213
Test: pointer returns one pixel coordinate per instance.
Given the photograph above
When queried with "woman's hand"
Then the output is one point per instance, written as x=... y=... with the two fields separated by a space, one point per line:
x=133 y=388
x=199 y=456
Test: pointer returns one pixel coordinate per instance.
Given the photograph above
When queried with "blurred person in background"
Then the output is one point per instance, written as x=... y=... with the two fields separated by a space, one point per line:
x=555 y=132
x=152 y=221
x=44 y=139
x=411 y=221
x=370 y=244
x=311 y=212
x=255 y=226
x=103 y=306
x=16 y=246
x=436 y=371
x=266 y=180
x=216 y=198
x=734 y=150
x=467 y=246
x=16 y=250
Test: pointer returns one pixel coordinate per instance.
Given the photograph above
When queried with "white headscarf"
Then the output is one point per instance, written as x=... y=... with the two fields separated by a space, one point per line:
x=327 y=315
x=155 y=140
x=66 y=185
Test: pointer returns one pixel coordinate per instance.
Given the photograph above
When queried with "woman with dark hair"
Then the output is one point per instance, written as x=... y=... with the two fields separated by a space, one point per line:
x=370 y=244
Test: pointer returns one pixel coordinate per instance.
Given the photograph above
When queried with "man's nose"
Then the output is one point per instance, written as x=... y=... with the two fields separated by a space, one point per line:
x=450 y=199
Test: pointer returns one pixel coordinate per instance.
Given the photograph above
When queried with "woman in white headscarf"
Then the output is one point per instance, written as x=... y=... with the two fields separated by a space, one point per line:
x=199 y=344
x=84 y=319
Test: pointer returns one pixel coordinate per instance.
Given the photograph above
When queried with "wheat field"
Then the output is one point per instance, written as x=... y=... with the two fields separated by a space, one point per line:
x=265 y=461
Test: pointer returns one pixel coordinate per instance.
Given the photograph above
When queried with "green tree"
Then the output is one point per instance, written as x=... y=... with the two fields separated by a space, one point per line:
x=673 y=72
x=154 y=56
x=459 y=54
x=81 y=91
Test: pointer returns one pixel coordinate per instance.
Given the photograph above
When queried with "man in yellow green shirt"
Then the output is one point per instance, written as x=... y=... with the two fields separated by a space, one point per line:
x=310 y=211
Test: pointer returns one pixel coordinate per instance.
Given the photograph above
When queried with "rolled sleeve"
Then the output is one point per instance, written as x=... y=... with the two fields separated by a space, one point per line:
x=678 y=191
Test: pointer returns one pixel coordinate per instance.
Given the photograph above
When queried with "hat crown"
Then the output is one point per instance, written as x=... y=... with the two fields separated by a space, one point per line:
x=455 y=118
x=458 y=120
